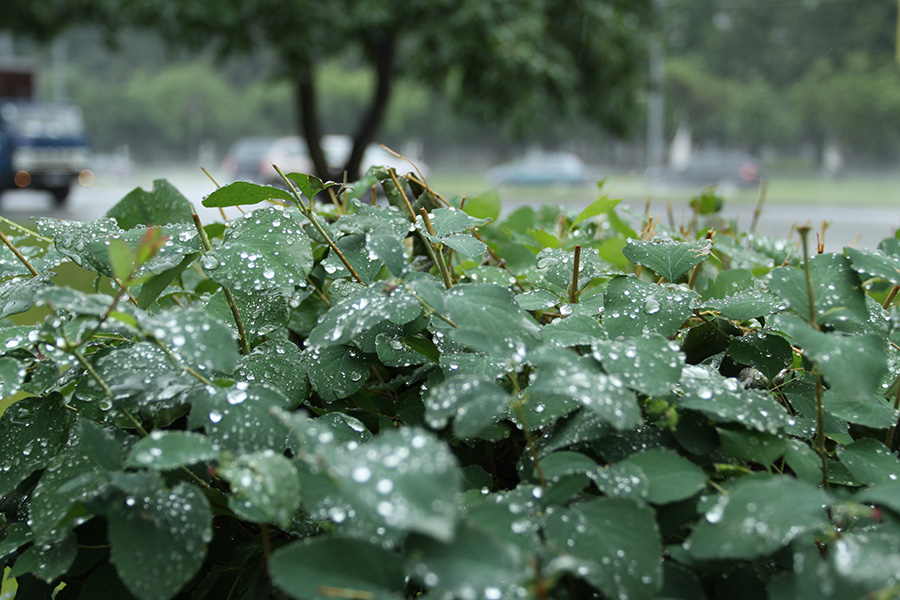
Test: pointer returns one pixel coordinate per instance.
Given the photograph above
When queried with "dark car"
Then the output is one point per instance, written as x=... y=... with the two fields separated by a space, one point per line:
x=727 y=169
x=542 y=168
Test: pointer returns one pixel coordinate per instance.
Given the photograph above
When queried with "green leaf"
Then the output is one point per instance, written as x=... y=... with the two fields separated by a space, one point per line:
x=49 y=560
x=309 y=185
x=158 y=542
x=473 y=403
x=565 y=375
x=464 y=244
x=574 y=330
x=837 y=290
x=359 y=312
x=852 y=365
x=874 y=263
x=670 y=259
x=874 y=411
x=264 y=249
x=484 y=206
x=670 y=477
x=279 y=364
x=612 y=543
x=475 y=564
x=239 y=418
x=885 y=494
x=86 y=243
x=558 y=265
x=600 y=206
x=121 y=259
x=264 y=487
x=32 y=431
x=724 y=400
x=207 y=345
x=12 y=375
x=648 y=364
x=336 y=371
x=263 y=312
x=489 y=319
x=537 y=299
x=764 y=351
x=403 y=480
x=164 y=450
x=449 y=221
x=318 y=569
x=18 y=295
x=633 y=307
x=752 y=446
x=244 y=193
x=162 y=205
x=355 y=249
x=758 y=516
x=870 y=461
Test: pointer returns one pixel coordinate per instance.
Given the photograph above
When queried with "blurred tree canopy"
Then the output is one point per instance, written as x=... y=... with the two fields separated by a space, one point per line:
x=523 y=62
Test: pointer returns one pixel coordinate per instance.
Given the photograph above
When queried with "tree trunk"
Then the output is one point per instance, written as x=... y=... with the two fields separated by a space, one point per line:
x=308 y=118
x=382 y=56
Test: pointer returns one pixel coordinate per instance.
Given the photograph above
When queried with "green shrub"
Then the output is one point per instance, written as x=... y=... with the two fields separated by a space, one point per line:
x=356 y=401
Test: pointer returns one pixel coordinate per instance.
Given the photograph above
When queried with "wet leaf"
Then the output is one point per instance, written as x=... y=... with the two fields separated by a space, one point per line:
x=163 y=450
x=634 y=307
x=266 y=248
x=18 y=295
x=264 y=487
x=244 y=193
x=612 y=543
x=647 y=364
x=278 y=364
x=558 y=266
x=870 y=461
x=874 y=263
x=12 y=375
x=206 y=345
x=473 y=403
x=263 y=312
x=576 y=330
x=766 y=352
x=162 y=205
x=670 y=259
x=320 y=569
x=336 y=371
x=158 y=542
x=670 y=477
x=758 y=516
x=32 y=432
x=361 y=311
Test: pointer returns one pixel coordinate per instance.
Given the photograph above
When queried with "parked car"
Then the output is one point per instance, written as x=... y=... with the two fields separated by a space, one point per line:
x=542 y=168
x=727 y=169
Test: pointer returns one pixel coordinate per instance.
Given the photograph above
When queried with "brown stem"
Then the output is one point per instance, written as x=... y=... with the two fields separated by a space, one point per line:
x=891 y=296
x=381 y=53
x=18 y=254
x=573 y=292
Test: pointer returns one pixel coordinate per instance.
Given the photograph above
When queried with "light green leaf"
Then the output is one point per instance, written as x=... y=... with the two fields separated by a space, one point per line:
x=121 y=259
x=758 y=516
x=164 y=450
x=612 y=543
x=309 y=185
x=670 y=259
x=264 y=487
x=158 y=542
x=484 y=206
x=314 y=569
x=600 y=206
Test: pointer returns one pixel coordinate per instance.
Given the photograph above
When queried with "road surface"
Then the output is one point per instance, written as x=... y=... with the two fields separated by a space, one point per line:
x=860 y=225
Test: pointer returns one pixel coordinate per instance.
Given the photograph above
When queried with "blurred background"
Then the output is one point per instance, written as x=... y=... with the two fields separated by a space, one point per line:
x=798 y=100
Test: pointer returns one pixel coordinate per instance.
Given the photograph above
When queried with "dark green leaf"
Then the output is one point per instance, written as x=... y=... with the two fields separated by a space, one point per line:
x=763 y=351
x=162 y=205
x=874 y=263
x=164 y=450
x=12 y=375
x=612 y=543
x=279 y=364
x=158 y=542
x=316 y=569
x=264 y=249
x=244 y=193
x=336 y=371
x=633 y=307
x=649 y=364
x=32 y=431
x=670 y=477
x=264 y=487
x=359 y=312
x=870 y=462
x=473 y=403
x=758 y=516
x=263 y=312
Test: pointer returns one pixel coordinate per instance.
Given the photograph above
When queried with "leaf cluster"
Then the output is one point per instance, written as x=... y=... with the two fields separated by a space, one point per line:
x=425 y=400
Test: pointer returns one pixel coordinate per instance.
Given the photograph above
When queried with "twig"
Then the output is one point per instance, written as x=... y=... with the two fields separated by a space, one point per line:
x=763 y=192
x=18 y=254
x=573 y=292
x=438 y=253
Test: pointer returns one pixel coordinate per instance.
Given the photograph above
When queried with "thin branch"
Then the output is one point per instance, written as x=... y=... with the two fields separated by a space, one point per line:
x=18 y=254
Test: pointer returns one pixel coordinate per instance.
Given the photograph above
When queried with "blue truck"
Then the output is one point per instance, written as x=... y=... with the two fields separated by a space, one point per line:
x=43 y=144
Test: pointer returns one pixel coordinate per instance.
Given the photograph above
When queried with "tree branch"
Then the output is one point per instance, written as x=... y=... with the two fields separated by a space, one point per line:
x=308 y=118
x=381 y=53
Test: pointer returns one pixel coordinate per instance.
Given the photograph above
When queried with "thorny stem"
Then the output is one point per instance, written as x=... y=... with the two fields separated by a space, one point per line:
x=18 y=254
x=438 y=254
x=311 y=215
x=820 y=410
x=229 y=298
